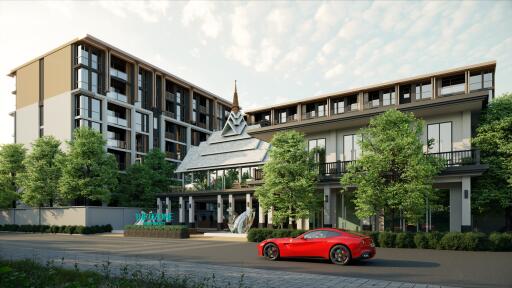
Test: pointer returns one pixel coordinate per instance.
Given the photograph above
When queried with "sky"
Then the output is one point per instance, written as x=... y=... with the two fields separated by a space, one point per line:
x=277 y=51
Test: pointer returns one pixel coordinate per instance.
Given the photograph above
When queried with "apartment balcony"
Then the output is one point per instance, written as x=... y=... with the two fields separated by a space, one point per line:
x=202 y=109
x=118 y=144
x=290 y=118
x=173 y=155
x=202 y=125
x=118 y=74
x=453 y=89
x=117 y=120
x=454 y=162
x=112 y=94
x=372 y=104
x=169 y=114
x=312 y=115
x=170 y=135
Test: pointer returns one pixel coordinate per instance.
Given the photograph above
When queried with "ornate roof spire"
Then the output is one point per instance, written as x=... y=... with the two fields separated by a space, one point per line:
x=235 y=108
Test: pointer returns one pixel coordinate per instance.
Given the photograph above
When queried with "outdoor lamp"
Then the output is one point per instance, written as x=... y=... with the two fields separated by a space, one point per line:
x=218 y=204
x=326 y=198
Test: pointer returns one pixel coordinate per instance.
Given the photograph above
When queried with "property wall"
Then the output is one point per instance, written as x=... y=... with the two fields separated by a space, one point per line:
x=118 y=217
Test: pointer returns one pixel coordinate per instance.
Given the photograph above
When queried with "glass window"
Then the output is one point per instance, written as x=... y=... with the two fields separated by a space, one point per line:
x=96 y=109
x=488 y=80
x=451 y=85
x=94 y=82
x=321 y=110
x=83 y=79
x=94 y=61
x=441 y=136
x=351 y=150
x=178 y=97
x=388 y=97
x=475 y=81
x=83 y=55
x=282 y=117
x=373 y=99
x=423 y=91
x=405 y=94
x=338 y=106
x=314 y=235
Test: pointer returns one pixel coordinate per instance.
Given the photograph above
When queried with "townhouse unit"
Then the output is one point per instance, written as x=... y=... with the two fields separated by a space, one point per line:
x=136 y=105
x=450 y=102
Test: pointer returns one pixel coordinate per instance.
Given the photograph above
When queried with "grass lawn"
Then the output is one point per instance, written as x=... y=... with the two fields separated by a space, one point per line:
x=28 y=273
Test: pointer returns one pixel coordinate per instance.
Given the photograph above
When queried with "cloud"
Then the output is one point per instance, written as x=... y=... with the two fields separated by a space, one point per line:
x=269 y=52
x=149 y=11
x=241 y=49
x=334 y=71
x=204 y=13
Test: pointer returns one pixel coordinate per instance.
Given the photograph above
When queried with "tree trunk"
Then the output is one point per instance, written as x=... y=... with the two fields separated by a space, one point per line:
x=381 y=220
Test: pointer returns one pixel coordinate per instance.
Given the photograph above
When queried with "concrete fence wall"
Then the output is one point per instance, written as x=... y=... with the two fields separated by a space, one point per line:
x=118 y=217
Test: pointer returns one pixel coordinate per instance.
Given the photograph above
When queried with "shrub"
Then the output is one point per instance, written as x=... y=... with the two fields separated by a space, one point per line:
x=54 y=229
x=433 y=239
x=375 y=238
x=421 y=241
x=387 y=239
x=107 y=228
x=474 y=241
x=452 y=241
x=259 y=234
x=404 y=240
x=500 y=241
x=62 y=229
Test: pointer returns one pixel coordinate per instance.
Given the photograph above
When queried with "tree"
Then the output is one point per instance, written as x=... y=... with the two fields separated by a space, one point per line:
x=88 y=171
x=41 y=176
x=392 y=175
x=493 y=190
x=290 y=179
x=142 y=182
x=11 y=164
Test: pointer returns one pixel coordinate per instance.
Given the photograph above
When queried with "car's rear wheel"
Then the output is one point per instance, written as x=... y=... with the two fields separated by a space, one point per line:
x=271 y=251
x=340 y=255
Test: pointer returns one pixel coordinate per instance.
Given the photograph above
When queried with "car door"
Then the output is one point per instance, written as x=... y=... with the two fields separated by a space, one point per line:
x=301 y=246
x=315 y=242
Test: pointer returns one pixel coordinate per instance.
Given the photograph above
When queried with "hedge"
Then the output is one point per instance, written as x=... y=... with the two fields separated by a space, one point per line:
x=467 y=241
x=177 y=228
x=72 y=229
x=260 y=234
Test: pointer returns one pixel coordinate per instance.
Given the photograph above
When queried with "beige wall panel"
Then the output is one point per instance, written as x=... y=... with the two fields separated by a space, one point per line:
x=57 y=72
x=27 y=124
x=27 y=85
x=63 y=216
x=58 y=116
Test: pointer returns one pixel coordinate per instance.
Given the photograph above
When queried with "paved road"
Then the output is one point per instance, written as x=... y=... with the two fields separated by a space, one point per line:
x=451 y=268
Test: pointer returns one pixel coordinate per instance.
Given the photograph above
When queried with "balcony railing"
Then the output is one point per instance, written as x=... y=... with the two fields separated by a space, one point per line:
x=118 y=74
x=169 y=114
x=452 y=89
x=117 y=143
x=117 y=120
x=258 y=174
x=290 y=118
x=116 y=95
x=453 y=159
x=202 y=109
x=333 y=168
x=459 y=158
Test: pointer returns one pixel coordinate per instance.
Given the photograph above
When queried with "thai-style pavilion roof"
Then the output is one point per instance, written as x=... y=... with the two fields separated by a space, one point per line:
x=231 y=147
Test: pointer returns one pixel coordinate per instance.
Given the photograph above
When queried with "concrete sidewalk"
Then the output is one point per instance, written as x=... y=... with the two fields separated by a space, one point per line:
x=225 y=276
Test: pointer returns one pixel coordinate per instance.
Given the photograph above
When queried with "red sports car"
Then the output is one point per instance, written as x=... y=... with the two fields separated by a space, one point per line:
x=337 y=245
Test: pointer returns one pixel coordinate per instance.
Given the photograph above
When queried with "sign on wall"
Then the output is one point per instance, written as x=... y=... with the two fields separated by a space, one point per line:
x=152 y=219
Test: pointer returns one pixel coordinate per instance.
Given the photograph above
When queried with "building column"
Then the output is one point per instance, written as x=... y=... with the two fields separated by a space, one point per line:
x=191 y=212
x=182 y=211
x=231 y=208
x=327 y=206
x=151 y=131
x=189 y=137
x=167 y=205
x=133 y=138
x=261 y=216
x=220 y=214
x=299 y=223
x=162 y=134
x=269 y=222
x=466 y=204
x=248 y=202
x=104 y=112
x=466 y=130
x=456 y=208
x=158 y=205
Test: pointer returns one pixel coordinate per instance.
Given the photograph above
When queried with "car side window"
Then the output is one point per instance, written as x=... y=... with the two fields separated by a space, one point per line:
x=331 y=234
x=314 y=235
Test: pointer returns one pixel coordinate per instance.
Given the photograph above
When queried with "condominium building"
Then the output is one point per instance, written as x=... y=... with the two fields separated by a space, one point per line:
x=136 y=105
x=450 y=102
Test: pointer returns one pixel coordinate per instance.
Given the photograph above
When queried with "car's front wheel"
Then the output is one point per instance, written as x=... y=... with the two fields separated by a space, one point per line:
x=271 y=251
x=340 y=255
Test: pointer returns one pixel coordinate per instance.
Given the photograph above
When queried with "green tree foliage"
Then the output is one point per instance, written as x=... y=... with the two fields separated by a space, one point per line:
x=290 y=179
x=41 y=176
x=494 y=139
x=11 y=164
x=143 y=181
x=392 y=174
x=88 y=171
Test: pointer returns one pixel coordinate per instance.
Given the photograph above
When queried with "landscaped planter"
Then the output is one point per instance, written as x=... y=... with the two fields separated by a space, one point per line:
x=170 y=231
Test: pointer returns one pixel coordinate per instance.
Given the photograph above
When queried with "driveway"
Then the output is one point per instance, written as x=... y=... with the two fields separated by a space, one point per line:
x=435 y=267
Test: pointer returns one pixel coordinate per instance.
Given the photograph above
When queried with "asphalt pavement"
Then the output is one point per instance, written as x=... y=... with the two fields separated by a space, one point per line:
x=435 y=267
